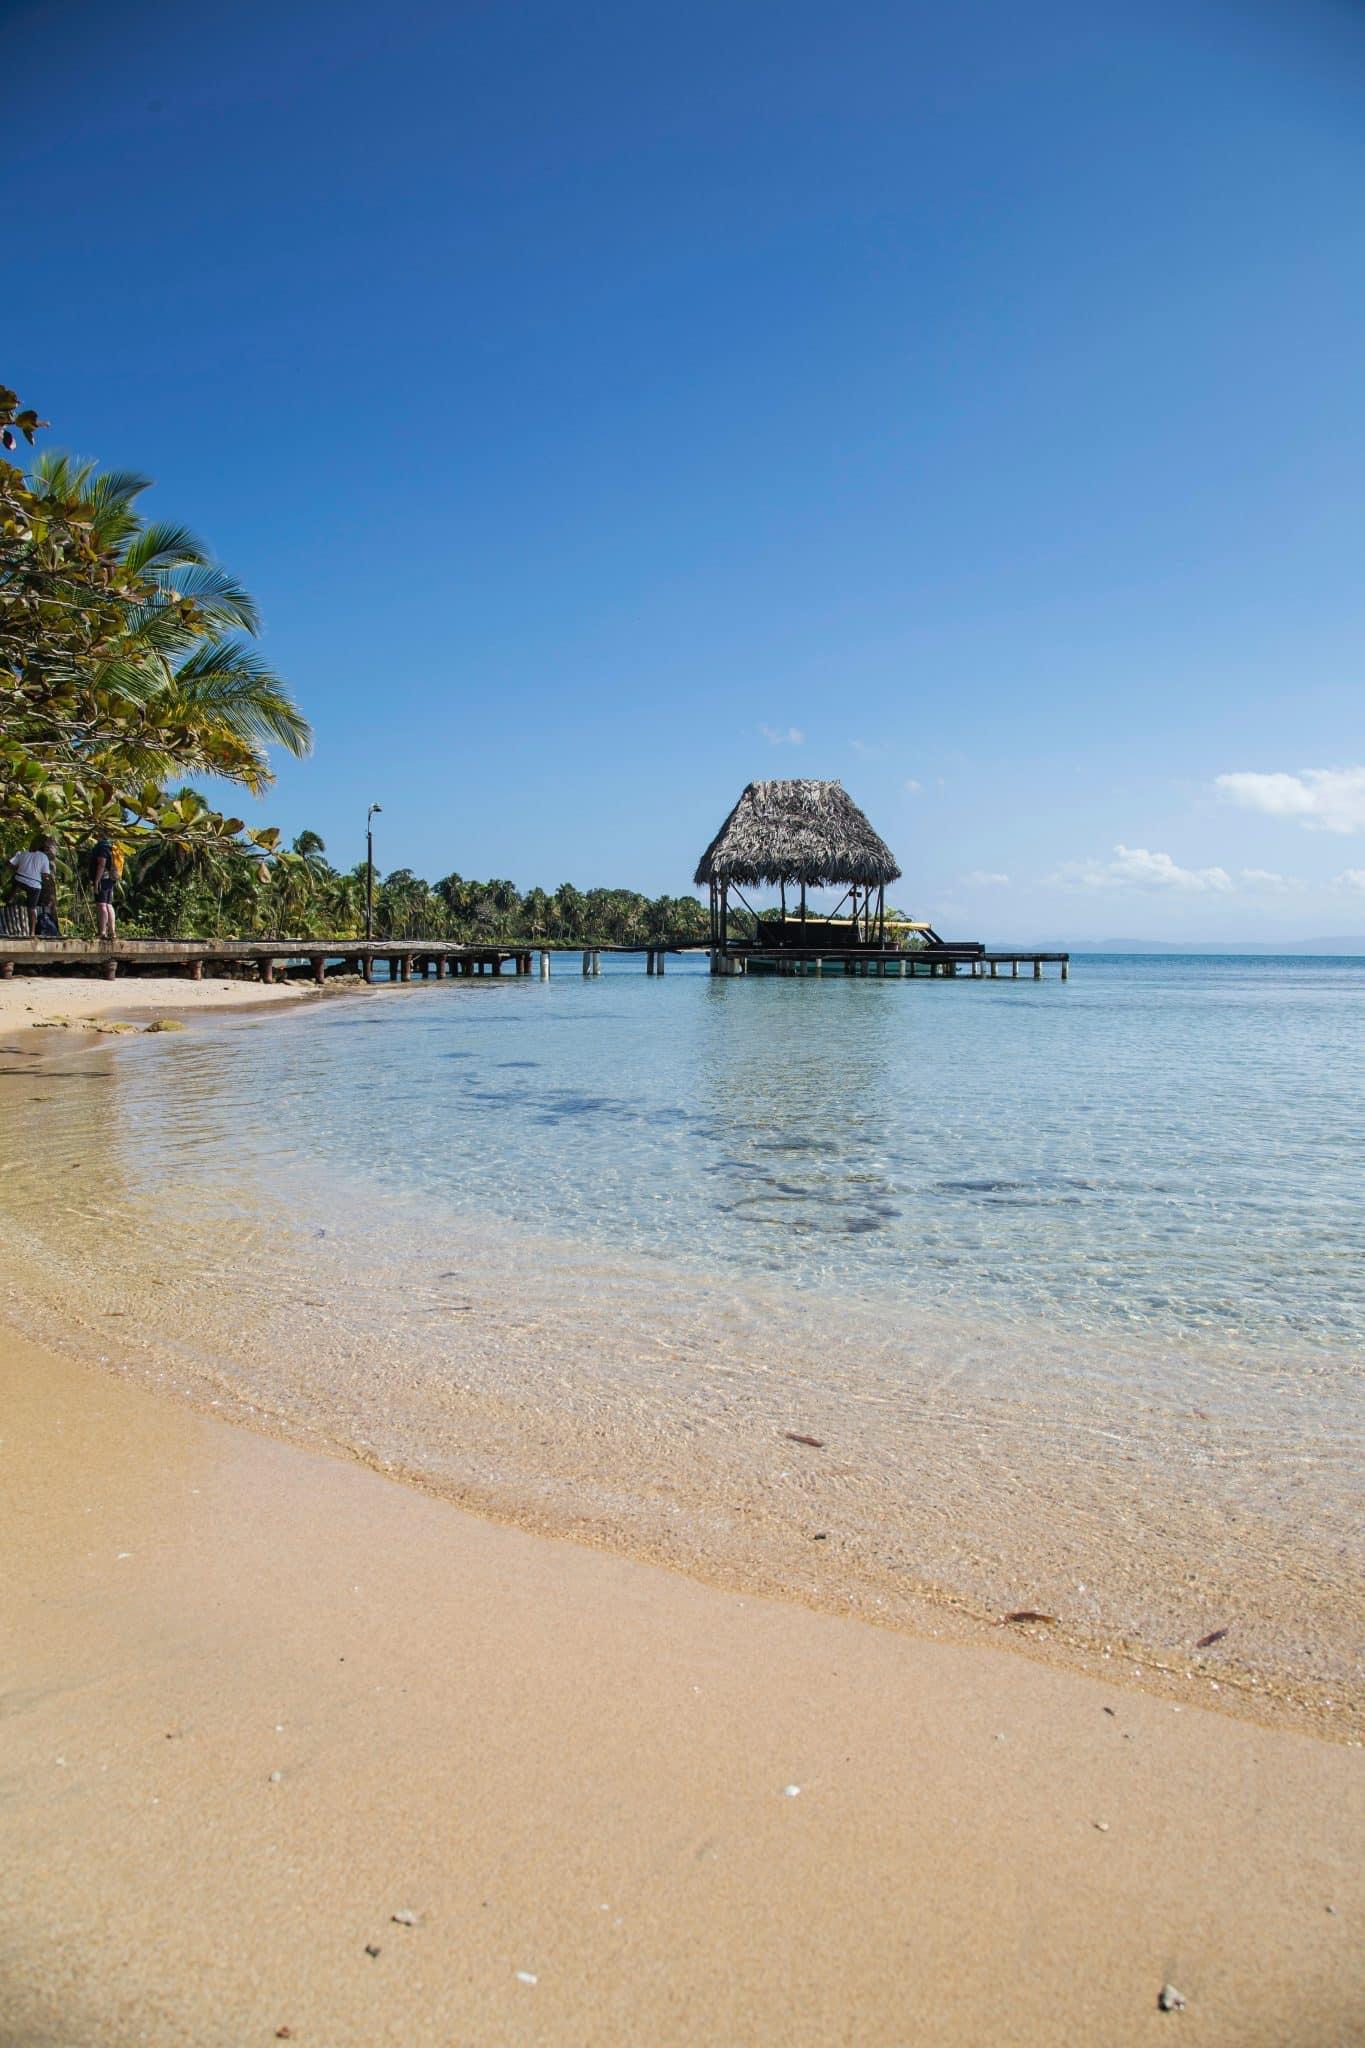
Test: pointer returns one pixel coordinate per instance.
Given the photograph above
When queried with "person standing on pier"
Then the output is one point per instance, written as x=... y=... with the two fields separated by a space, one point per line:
x=105 y=869
x=31 y=870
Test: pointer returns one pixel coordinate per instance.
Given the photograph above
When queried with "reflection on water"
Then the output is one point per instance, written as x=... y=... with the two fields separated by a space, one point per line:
x=1159 y=1146
x=1071 y=1276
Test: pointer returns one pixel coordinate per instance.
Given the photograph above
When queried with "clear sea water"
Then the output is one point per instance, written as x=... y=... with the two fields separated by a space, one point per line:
x=1067 y=1280
x=1168 y=1145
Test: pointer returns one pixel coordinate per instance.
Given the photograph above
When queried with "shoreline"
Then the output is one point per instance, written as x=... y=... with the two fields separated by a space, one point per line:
x=264 y=1700
x=84 y=1001
x=706 y=1487
x=499 y=1466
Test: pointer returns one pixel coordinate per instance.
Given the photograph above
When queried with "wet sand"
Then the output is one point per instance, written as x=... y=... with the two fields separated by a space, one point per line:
x=28 y=999
x=940 y=1477
x=260 y=1701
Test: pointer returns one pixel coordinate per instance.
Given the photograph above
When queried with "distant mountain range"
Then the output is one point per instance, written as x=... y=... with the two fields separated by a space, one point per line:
x=1279 y=948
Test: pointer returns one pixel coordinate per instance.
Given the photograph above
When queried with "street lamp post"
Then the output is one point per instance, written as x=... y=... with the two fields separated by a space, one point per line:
x=369 y=871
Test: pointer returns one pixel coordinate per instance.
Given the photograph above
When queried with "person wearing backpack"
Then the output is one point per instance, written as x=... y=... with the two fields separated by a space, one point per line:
x=106 y=868
x=31 y=869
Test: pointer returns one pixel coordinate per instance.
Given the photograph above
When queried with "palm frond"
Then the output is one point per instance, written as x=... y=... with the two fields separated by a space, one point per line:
x=215 y=590
x=164 y=546
x=113 y=490
x=238 y=689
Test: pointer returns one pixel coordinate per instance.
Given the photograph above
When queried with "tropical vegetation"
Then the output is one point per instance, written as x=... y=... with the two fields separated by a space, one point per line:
x=177 y=890
x=126 y=664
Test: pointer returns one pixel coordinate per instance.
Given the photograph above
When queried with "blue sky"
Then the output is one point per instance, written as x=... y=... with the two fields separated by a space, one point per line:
x=612 y=403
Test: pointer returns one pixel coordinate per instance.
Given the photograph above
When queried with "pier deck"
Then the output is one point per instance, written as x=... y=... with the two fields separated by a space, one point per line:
x=266 y=957
x=405 y=958
x=945 y=961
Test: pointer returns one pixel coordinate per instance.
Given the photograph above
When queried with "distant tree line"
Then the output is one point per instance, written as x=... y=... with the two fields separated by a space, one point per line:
x=184 y=889
x=127 y=663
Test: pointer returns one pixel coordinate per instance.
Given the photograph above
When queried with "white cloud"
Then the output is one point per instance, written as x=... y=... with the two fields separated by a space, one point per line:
x=912 y=788
x=1265 y=880
x=1133 y=867
x=1350 y=878
x=792 y=737
x=1324 y=799
x=982 y=878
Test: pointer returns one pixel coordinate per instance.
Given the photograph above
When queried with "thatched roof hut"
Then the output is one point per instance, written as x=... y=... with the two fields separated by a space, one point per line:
x=799 y=831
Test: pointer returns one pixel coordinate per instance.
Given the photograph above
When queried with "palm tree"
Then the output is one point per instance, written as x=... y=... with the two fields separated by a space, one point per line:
x=180 y=652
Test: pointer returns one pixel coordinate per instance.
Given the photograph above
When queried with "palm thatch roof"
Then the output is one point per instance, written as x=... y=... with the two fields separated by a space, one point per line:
x=801 y=831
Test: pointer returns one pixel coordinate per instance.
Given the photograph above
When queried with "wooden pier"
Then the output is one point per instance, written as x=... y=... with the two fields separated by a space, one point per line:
x=944 y=962
x=404 y=959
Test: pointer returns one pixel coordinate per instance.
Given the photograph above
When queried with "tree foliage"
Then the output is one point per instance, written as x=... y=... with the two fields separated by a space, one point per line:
x=186 y=890
x=125 y=664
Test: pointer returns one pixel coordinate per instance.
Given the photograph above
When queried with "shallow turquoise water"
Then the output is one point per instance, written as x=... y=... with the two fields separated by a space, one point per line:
x=1066 y=1280
x=1161 y=1145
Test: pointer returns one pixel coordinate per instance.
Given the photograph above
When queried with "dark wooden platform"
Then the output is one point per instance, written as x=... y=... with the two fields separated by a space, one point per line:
x=441 y=958
x=264 y=957
x=942 y=961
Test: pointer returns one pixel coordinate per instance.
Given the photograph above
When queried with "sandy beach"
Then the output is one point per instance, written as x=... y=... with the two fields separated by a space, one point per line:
x=28 y=999
x=296 y=1752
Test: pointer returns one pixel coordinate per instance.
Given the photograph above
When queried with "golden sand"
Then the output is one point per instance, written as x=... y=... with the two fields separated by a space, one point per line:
x=290 y=1746
x=77 y=998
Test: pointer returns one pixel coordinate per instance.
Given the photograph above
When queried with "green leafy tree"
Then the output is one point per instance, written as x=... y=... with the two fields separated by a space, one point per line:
x=122 y=665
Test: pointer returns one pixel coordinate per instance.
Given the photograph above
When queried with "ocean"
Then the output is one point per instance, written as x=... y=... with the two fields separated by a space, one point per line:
x=1067 y=1281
